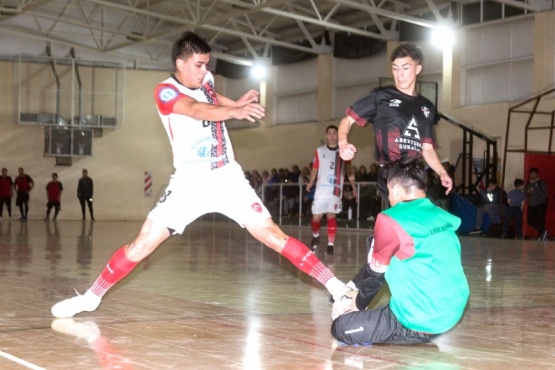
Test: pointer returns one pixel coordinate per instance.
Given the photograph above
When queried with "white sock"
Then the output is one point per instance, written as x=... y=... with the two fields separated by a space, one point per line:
x=336 y=287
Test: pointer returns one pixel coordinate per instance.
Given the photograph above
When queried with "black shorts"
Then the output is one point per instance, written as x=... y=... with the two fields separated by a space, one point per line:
x=51 y=204
x=381 y=182
x=22 y=197
x=378 y=325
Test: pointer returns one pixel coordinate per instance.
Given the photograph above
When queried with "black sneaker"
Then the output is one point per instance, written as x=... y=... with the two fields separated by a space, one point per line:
x=314 y=243
x=329 y=250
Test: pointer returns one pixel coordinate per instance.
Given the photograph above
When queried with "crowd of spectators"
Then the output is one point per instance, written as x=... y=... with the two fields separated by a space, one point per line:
x=294 y=197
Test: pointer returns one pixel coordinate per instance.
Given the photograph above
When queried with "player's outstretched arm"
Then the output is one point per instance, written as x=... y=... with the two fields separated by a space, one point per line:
x=346 y=151
x=204 y=111
x=251 y=96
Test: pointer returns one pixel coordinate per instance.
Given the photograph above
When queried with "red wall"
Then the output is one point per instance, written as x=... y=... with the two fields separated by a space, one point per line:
x=545 y=163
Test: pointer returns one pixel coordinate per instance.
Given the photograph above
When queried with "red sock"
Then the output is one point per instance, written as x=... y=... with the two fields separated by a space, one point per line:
x=116 y=269
x=305 y=260
x=332 y=230
x=315 y=226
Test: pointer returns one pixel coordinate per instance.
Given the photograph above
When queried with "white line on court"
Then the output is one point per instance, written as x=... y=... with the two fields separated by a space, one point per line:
x=20 y=361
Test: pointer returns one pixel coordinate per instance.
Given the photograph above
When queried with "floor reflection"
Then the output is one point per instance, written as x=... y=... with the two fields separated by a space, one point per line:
x=89 y=332
x=85 y=245
x=53 y=243
x=214 y=298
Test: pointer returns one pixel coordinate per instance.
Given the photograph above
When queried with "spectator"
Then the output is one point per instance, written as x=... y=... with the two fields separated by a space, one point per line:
x=265 y=177
x=294 y=192
x=373 y=173
x=287 y=192
x=436 y=191
x=295 y=174
x=515 y=199
x=308 y=197
x=375 y=203
x=54 y=195
x=6 y=193
x=364 y=196
x=495 y=204
x=305 y=172
x=274 y=179
x=536 y=190
x=256 y=175
x=85 y=193
x=256 y=184
x=23 y=185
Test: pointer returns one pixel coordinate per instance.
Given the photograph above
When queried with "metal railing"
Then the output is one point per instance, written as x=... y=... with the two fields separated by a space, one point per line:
x=276 y=197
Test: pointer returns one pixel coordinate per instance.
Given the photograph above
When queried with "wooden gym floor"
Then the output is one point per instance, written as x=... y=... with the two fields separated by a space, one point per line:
x=214 y=298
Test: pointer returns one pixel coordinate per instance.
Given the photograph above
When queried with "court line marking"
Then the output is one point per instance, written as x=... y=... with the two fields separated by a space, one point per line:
x=20 y=361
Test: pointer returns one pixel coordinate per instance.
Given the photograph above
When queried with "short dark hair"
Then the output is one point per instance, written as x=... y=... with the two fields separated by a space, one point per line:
x=518 y=182
x=408 y=50
x=54 y=174
x=492 y=180
x=534 y=169
x=331 y=127
x=409 y=173
x=188 y=44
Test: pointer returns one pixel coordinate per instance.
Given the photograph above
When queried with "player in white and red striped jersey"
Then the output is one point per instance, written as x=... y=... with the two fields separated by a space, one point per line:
x=193 y=115
x=328 y=170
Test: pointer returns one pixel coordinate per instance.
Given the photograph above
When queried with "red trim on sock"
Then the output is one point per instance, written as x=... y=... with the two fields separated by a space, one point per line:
x=315 y=226
x=116 y=269
x=305 y=260
x=332 y=230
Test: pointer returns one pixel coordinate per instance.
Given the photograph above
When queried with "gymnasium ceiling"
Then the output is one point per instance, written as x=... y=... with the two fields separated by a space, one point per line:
x=240 y=31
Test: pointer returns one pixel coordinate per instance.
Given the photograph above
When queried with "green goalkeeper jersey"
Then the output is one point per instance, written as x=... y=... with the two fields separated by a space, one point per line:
x=417 y=242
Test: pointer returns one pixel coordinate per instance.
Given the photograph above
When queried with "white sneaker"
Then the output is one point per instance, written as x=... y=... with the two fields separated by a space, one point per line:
x=86 y=330
x=72 y=306
x=341 y=304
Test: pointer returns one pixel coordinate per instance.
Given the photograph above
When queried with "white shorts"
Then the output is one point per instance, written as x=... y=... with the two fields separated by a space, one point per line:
x=326 y=204
x=225 y=190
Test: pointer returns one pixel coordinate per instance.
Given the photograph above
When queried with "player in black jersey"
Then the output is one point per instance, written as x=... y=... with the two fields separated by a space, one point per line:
x=402 y=119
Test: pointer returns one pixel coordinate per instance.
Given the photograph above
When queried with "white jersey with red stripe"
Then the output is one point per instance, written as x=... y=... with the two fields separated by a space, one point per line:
x=197 y=145
x=331 y=172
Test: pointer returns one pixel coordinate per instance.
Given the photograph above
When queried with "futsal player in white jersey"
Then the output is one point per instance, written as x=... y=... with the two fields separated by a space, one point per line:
x=193 y=115
x=328 y=170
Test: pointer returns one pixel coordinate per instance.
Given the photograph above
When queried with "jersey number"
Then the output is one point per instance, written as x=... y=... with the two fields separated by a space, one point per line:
x=165 y=196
